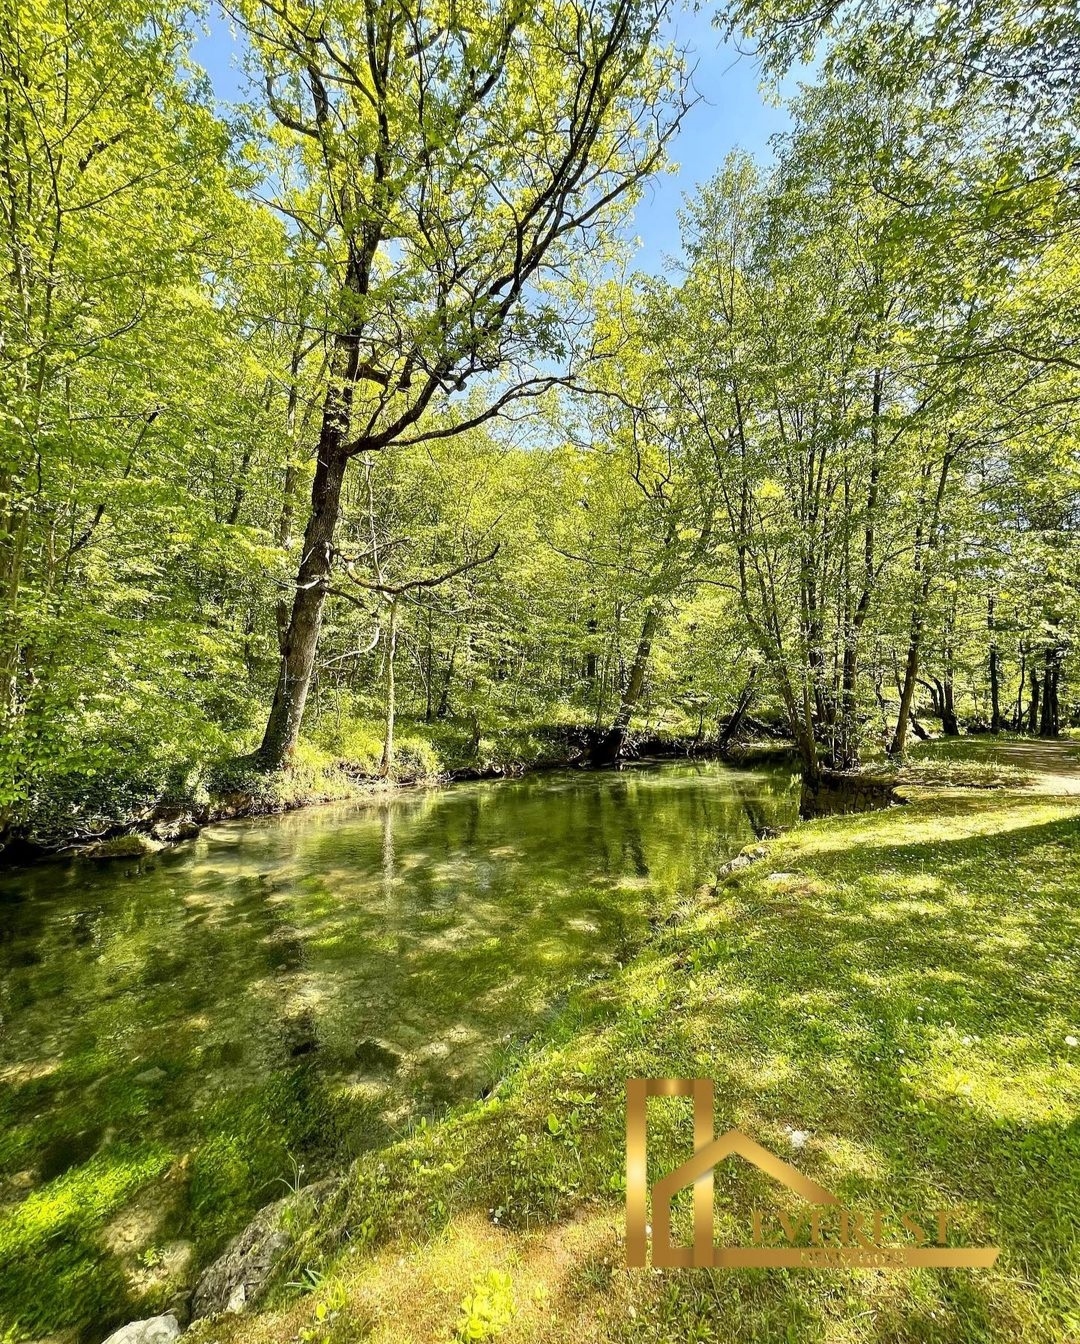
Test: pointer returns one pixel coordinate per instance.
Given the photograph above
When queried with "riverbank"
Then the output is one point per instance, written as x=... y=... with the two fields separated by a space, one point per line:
x=235 y=788
x=886 y=1000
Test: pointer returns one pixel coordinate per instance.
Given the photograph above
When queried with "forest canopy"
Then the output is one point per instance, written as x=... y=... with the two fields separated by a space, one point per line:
x=339 y=437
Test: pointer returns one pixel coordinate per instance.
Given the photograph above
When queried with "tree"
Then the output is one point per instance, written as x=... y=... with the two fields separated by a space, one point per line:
x=1026 y=56
x=644 y=529
x=118 y=197
x=392 y=590
x=459 y=160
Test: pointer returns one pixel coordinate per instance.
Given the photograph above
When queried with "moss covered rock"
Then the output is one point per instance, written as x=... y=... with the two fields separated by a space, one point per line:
x=132 y=846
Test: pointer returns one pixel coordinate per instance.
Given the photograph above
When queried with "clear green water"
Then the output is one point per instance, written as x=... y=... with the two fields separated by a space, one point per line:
x=179 y=1034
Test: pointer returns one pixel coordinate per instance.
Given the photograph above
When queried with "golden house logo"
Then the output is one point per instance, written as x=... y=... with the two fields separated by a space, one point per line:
x=837 y=1236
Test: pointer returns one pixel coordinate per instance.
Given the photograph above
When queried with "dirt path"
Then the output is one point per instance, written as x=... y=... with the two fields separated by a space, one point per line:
x=1055 y=765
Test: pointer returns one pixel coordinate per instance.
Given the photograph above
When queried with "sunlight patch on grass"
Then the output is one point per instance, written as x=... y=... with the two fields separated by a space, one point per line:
x=853 y=1157
x=900 y=910
x=959 y=817
x=16 y=1075
x=902 y=1001
x=1000 y=1078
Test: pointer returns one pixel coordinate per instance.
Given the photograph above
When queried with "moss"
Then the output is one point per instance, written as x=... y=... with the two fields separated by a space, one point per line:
x=243 y=1161
x=123 y=847
x=52 y=1272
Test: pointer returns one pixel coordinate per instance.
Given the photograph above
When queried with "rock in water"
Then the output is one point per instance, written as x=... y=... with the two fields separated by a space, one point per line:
x=171 y=831
x=242 y=1274
x=155 y=1330
x=134 y=846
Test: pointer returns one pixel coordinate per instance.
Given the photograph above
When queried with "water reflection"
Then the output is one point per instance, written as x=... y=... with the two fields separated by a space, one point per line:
x=300 y=986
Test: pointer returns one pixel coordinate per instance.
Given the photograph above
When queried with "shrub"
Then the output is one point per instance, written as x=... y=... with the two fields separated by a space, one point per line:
x=360 y=746
x=416 y=758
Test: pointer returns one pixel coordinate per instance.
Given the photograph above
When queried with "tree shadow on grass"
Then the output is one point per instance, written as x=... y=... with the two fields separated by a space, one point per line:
x=904 y=1005
x=917 y=1029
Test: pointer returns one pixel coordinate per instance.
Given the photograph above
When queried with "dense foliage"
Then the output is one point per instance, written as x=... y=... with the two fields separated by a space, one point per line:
x=333 y=411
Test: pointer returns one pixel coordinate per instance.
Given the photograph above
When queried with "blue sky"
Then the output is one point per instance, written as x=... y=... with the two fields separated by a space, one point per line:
x=732 y=113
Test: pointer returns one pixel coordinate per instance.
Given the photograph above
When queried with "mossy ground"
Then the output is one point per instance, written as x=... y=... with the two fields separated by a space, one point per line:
x=901 y=987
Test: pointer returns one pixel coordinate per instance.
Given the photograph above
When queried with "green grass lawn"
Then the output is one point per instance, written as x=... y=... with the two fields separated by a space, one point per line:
x=901 y=987
x=965 y=763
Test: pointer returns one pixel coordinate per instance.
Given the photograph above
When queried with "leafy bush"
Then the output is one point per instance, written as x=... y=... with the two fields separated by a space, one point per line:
x=312 y=775
x=360 y=747
x=115 y=777
x=416 y=758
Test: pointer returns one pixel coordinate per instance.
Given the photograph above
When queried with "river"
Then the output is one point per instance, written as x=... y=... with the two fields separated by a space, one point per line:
x=185 y=1035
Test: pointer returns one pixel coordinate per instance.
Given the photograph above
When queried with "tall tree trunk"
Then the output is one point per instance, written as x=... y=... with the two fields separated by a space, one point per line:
x=949 y=723
x=907 y=694
x=847 y=739
x=918 y=611
x=733 y=724
x=444 y=696
x=1018 y=715
x=1046 y=716
x=607 y=750
x=996 y=722
x=589 y=668
x=1048 y=723
x=300 y=641
x=846 y=749
x=391 y=649
x=429 y=664
x=1033 y=704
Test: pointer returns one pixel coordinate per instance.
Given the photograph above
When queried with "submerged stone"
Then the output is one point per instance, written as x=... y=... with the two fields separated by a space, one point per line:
x=376 y=1058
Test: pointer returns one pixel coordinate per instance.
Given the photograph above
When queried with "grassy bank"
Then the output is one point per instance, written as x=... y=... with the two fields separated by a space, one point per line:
x=340 y=759
x=888 y=1001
